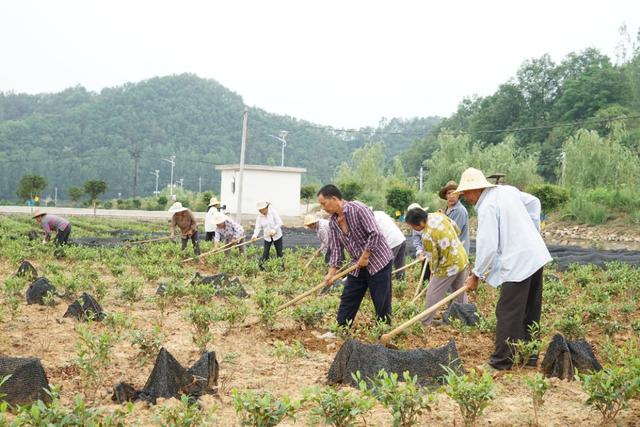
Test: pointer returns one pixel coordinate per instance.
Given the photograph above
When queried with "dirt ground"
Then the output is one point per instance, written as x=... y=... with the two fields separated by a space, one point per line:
x=246 y=362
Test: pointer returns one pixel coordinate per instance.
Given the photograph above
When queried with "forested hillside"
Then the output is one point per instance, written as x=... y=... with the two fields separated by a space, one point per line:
x=75 y=135
x=544 y=104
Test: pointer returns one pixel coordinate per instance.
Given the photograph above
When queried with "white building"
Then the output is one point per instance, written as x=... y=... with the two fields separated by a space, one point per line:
x=278 y=185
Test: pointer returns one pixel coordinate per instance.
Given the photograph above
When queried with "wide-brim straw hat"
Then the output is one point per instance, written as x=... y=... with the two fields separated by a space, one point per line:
x=219 y=218
x=310 y=219
x=262 y=205
x=451 y=185
x=417 y=206
x=37 y=213
x=473 y=179
x=214 y=201
x=177 y=207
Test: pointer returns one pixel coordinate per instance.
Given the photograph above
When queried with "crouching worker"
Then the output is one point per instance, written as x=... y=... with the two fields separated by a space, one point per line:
x=50 y=223
x=227 y=231
x=184 y=219
x=445 y=253
x=353 y=227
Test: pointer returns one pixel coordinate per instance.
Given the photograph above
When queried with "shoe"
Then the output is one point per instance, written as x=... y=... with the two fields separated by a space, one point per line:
x=329 y=336
x=532 y=362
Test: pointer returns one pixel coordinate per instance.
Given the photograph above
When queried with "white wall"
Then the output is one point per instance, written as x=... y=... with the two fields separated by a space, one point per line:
x=282 y=189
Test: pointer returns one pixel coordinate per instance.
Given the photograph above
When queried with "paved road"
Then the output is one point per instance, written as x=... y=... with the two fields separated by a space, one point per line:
x=125 y=214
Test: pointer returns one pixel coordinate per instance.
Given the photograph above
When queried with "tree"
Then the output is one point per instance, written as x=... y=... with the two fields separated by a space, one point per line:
x=93 y=188
x=399 y=197
x=75 y=194
x=350 y=190
x=307 y=193
x=31 y=186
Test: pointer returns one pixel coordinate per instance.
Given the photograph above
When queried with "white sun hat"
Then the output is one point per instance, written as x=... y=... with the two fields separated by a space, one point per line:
x=214 y=201
x=219 y=218
x=310 y=219
x=177 y=207
x=37 y=213
x=417 y=206
x=262 y=205
x=473 y=179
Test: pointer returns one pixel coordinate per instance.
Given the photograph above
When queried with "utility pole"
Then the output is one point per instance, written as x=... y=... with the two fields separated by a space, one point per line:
x=199 y=184
x=181 y=181
x=55 y=197
x=283 y=134
x=156 y=173
x=171 y=160
x=421 y=177
x=243 y=144
x=135 y=153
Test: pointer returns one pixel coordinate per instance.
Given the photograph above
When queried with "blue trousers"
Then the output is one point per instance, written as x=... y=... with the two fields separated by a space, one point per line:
x=379 y=286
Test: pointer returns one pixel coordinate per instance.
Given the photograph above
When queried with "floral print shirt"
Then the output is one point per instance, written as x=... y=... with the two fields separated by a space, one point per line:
x=443 y=249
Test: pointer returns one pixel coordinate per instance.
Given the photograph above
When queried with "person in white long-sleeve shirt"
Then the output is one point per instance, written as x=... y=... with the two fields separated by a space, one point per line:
x=395 y=239
x=269 y=221
x=510 y=254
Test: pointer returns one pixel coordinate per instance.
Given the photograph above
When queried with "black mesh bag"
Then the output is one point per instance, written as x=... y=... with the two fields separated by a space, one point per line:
x=38 y=290
x=27 y=270
x=206 y=368
x=369 y=359
x=563 y=357
x=124 y=392
x=85 y=308
x=224 y=285
x=27 y=383
x=466 y=313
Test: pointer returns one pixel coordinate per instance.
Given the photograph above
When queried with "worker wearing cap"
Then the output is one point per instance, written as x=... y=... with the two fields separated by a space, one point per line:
x=457 y=212
x=228 y=231
x=321 y=228
x=416 y=240
x=209 y=226
x=445 y=253
x=184 y=219
x=510 y=254
x=394 y=238
x=269 y=221
x=49 y=223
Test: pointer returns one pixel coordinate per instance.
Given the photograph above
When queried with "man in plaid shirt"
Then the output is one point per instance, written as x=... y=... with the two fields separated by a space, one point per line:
x=353 y=227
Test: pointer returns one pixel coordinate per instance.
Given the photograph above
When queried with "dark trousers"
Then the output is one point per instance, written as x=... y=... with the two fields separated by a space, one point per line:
x=194 y=242
x=399 y=259
x=518 y=308
x=267 y=248
x=427 y=274
x=379 y=286
x=62 y=237
x=209 y=235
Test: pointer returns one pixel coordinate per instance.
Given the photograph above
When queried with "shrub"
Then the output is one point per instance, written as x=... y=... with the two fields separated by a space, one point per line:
x=267 y=302
x=609 y=390
x=405 y=400
x=398 y=197
x=581 y=210
x=93 y=354
x=551 y=196
x=350 y=190
x=571 y=326
x=338 y=408
x=525 y=350
x=130 y=289
x=201 y=317
x=186 y=414
x=538 y=386
x=262 y=408
x=471 y=392
x=148 y=342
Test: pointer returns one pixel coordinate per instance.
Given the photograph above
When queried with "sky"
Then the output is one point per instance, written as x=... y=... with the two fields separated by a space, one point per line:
x=344 y=63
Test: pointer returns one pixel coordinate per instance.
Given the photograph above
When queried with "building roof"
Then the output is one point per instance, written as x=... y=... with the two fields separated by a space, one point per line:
x=261 y=168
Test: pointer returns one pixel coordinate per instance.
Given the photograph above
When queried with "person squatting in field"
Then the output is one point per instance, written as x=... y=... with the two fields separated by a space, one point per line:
x=50 y=223
x=184 y=219
x=353 y=227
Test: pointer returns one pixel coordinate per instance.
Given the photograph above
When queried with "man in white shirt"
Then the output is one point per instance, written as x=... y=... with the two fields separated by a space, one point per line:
x=510 y=254
x=395 y=239
x=269 y=221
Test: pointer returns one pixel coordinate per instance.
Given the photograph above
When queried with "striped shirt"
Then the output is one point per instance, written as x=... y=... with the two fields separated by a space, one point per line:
x=362 y=234
x=231 y=231
x=53 y=223
x=322 y=231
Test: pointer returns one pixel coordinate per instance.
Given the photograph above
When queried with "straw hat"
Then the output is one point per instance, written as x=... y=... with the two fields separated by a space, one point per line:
x=417 y=206
x=37 y=213
x=473 y=179
x=310 y=219
x=451 y=185
x=219 y=218
x=262 y=205
x=177 y=207
x=214 y=201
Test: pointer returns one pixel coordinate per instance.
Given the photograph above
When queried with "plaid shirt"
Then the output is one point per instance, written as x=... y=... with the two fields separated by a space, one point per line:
x=232 y=230
x=53 y=222
x=363 y=234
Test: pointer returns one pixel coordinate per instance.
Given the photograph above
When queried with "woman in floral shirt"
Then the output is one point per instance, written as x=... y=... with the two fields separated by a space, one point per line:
x=446 y=255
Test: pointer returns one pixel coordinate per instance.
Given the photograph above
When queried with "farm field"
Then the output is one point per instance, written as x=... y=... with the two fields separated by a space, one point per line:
x=280 y=352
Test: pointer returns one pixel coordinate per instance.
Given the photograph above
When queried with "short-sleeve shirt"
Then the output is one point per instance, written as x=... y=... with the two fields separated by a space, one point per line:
x=443 y=249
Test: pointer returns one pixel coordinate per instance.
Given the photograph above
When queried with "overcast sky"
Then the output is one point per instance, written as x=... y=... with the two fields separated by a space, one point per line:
x=342 y=63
